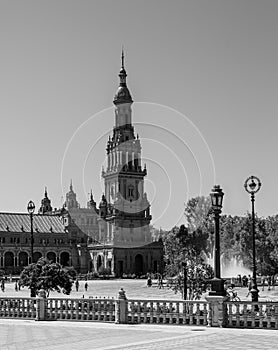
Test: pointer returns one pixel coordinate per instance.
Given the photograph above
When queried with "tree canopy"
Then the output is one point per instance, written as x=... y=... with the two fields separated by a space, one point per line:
x=187 y=247
x=236 y=235
x=49 y=276
x=184 y=261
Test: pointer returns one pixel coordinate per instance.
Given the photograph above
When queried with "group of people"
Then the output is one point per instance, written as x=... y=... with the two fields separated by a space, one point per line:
x=269 y=281
x=86 y=286
x=159 y=281
x=246 y=281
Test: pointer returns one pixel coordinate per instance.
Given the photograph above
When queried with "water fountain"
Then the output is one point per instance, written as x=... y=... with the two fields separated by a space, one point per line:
x=231 y=268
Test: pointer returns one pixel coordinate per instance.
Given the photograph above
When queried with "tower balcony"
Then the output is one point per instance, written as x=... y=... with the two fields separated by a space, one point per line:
x=124 y=169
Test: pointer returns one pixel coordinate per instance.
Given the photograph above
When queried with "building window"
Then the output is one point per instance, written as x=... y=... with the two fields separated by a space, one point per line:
x=130 y=191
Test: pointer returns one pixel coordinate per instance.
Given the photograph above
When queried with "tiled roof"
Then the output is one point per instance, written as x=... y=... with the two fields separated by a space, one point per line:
x=13 y=222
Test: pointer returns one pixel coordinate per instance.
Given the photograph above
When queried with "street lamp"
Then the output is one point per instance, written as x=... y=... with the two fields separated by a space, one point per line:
x=31 y=209
x=216 y=202
x=184 y=280
x=252 y=185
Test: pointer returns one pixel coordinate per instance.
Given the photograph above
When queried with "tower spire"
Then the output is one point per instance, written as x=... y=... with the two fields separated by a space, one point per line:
x=123 y=58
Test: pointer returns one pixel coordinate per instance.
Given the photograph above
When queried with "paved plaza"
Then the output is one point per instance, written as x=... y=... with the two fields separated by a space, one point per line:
x=134 y=288
x=59 y=335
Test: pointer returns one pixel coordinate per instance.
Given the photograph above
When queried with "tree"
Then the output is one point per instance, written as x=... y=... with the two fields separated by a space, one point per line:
x=199 y=219
x=48 y=276
x=183 y=254
x=198 y=213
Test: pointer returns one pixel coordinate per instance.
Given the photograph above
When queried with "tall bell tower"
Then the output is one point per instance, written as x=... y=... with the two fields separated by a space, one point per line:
x=128 y=209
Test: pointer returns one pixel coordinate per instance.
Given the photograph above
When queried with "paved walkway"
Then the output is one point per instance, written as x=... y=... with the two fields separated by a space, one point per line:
x=59 y=335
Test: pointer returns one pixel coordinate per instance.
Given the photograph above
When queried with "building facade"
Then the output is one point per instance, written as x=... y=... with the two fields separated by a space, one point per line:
x=51 y=240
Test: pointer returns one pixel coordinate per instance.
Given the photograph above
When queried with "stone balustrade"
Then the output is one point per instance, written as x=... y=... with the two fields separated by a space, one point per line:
x=245 y=314
x=168 y=312
x=18 y=308
x=215 y=311
x=92 y=309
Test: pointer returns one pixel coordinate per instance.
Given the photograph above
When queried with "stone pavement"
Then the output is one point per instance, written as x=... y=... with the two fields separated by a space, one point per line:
x=67 y=335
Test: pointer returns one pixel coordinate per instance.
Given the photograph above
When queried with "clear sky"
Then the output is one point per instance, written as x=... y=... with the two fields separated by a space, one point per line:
x=204 y=78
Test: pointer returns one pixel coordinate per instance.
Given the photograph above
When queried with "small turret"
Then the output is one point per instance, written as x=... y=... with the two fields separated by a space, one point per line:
x=91 y=203
x=103 y=207
x=71 y=201
x=45 y=204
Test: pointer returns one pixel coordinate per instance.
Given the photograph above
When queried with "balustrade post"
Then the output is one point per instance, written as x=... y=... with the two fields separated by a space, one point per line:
x=121 y=307
x=217 y=316
x=41 y=303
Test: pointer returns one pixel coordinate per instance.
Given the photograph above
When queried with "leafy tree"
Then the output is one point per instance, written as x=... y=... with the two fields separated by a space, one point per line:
x=199 y=218
x=183 y=251
x=198 y=213
x=48 y=276
x=236 y=238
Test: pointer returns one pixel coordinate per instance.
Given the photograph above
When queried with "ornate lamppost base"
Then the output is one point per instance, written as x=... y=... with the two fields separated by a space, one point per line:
x=254 y=294
x=217 y=287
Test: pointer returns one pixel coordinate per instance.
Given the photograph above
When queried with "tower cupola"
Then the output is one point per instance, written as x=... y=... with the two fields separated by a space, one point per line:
x=91 y=203
x=71 y=201
x=45 y=204
x=122 y=94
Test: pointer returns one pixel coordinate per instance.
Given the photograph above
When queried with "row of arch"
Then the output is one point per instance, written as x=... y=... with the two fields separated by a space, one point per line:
x=138 y=266
x=22 y=259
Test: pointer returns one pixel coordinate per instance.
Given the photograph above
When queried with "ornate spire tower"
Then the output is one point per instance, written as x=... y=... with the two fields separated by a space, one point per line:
x=128 y=210
x=71 y=201
x=45 y=204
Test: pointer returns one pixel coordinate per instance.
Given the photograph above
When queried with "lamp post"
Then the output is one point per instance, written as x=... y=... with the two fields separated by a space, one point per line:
x=184 y=281
x=216 y=196
x=252 y=185
x=31 y=209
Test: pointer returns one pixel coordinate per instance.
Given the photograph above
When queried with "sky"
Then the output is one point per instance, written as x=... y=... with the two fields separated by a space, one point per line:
x=204 y=80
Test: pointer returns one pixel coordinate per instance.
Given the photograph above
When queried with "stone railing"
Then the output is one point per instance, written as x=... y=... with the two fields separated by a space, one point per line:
x=18 y=308
x=216 y=311
x=168 y=312
x=101 y=309
x=245 y=314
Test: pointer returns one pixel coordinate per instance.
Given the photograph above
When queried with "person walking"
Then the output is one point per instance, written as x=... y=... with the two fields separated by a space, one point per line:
x=149 y=281
x=268 y=279
x=249 y=285
x=273 y=281
x=160 y=281
x=86 y=286
x=3 y=285
x=77 y=285
x=263 y=282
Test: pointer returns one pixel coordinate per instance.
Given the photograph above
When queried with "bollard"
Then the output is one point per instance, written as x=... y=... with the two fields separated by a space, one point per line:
x=41 y=305
x=121 y=308
x=217 y=311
